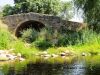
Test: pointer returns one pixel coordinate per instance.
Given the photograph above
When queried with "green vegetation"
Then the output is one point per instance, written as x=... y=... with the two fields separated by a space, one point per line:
x=29 y=35
x=91 y=12
x=53 y=7
x=48 y=46
x=33 y=42
x=87 y=41
x=5 y=39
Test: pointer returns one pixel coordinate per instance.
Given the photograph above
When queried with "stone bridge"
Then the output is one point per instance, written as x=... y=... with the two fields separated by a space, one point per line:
x=18 y=22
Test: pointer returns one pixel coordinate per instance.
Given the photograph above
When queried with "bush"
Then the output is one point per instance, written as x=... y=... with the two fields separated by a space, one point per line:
x=42 y=41
x=68 y=38
x=48 y=38
x=43 y=44
x=74 y=38
x=29 y=35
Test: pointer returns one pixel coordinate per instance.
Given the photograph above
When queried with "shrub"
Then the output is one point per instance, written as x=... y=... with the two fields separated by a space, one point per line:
x=47 y=38
x=43 y=40
x=29 y=35
x=74 y=38
x=43 y=44
x=68 y=38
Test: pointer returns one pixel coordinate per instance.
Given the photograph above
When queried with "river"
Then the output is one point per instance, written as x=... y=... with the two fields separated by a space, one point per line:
x=77 y=66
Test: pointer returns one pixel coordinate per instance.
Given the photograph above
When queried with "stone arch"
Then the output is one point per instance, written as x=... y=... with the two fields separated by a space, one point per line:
x=28 y=24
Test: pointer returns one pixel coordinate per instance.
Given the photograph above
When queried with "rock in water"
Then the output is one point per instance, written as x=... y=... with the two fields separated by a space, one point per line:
x=63 y=54
x=83 y=54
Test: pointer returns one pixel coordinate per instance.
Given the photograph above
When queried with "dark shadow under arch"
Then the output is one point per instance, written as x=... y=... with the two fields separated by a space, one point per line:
x=28 y=24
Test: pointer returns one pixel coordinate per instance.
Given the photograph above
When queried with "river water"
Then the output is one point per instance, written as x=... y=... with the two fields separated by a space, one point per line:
x=77 y=66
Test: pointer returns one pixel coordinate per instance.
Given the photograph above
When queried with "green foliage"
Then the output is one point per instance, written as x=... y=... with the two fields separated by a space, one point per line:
x=89 y=36
x=8 y=10
x=17 y=9
x=47 y=38
x=91 y=11
x=24 y=48
x=19 y=1
x=43 y=40
x=68 y=38
x=29 y=35
x=66 y=10
x=5 y=39
x=21 y=8
x=39 y=39
x=86 y=41
x=43 y=44
x=53 y=7
x=45 y=6
x=19 y=47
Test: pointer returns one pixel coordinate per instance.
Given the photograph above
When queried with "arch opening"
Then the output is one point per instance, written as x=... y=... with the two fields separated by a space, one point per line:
x=28 y=24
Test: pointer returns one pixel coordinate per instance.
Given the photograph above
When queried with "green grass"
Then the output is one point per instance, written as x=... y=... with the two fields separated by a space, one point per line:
x=24 y=49
x=5 y=39
x=93 y=49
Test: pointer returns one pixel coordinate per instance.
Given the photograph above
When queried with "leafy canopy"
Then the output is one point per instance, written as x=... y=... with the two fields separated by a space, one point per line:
x=91 y=9
x=53 y=7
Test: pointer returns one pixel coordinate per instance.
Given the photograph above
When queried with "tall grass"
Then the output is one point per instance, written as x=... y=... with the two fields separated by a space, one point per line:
x=24 y=48
x=5 y=39
x=89 y=43
x=90 y=37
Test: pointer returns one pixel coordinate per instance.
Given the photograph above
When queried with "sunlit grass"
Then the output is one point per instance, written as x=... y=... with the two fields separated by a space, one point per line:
x=5 y=39
x=58 y=50
x=87 y=48
x=24 y=49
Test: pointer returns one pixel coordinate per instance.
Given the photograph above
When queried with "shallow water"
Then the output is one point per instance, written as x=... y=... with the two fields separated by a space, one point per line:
x=77 y=66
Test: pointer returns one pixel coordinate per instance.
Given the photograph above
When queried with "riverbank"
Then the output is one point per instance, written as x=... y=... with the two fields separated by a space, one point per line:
x=86 y=44
x=68 y=64
x=9 y=55
x=59 y=52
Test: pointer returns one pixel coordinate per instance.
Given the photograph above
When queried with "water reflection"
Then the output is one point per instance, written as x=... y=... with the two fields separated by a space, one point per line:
x=1 y=73
x=76 y=67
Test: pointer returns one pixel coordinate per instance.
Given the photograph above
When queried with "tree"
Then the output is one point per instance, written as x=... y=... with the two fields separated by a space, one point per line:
x=53 y=7
x=21 y=7
x=19 y=1
x=7 y=10
x=91 y=9
x=45 y=6
x=67 y=10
